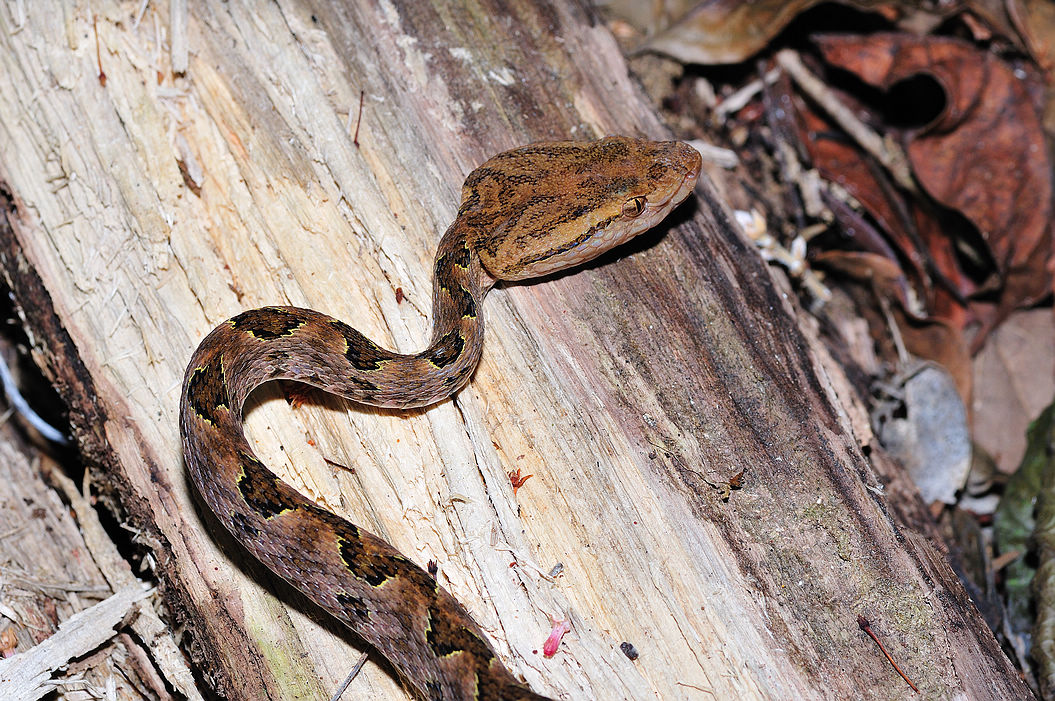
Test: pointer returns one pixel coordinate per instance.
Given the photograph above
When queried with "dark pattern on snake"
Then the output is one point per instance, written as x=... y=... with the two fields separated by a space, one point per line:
x=524 y=213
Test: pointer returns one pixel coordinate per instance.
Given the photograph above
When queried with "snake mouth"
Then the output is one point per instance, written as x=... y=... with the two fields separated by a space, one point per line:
x=690 y=164
x=693 y=162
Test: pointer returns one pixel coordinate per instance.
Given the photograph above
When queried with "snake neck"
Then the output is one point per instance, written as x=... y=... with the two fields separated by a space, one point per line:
x=459 y=285
x=256 y=346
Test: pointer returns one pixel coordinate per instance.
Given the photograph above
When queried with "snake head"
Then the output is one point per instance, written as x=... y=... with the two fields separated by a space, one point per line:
x=549 y=206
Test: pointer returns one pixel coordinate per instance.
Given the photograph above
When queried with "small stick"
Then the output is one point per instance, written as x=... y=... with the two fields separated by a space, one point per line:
x=337 y=464
x=863 y=622
x=348 y=680
x=884 y=150
x=359 y=119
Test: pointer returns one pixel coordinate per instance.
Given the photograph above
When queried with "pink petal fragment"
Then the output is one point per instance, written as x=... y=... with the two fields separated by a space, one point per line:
x=553 y=641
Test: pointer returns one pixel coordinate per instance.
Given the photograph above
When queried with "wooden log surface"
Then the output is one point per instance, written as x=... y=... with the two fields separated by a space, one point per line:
x=143 y=209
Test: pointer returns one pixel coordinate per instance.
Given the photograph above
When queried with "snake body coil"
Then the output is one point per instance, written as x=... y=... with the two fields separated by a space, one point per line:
x=524 y=213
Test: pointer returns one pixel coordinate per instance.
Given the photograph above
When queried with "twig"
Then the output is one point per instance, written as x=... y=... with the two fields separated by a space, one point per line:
x=885 y=151
x=739 y=99
x=348 y=680
x=863 y=622
x=359 y=119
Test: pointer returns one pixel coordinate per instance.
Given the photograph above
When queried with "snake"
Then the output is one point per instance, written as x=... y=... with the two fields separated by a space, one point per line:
x=524 y=213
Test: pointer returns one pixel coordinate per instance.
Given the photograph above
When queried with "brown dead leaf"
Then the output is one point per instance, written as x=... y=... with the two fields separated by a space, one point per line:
x=841 y=161
x=916 y=235
x=731 y=31
x=725 y=31
x=933 y=338
x=941 y=341
x=1014 y=380
x=1038 y=19
x=882 y=272
x=984 y=156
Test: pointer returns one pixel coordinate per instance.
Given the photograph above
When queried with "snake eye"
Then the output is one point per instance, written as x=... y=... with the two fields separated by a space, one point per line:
x=633 y=207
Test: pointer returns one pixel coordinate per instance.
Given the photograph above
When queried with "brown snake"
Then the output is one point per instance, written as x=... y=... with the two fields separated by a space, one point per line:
x=524 y=213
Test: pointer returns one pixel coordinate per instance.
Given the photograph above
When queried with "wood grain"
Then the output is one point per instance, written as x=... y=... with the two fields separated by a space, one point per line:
x=141 y=214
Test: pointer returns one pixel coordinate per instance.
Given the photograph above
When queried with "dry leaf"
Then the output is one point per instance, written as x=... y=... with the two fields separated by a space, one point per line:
x=984 y=156
x=1014 y=380
x=731 y=31
x=725 y=31
x=931 y=338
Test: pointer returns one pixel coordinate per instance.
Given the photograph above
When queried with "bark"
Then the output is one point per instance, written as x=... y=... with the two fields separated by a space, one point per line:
x=144 y=209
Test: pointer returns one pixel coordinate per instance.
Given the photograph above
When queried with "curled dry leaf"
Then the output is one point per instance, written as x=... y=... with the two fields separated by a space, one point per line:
x=938 y=286
x=882 y=272
x=984 y=155
x=902 y=252
x=725 y=31
x=730 y=31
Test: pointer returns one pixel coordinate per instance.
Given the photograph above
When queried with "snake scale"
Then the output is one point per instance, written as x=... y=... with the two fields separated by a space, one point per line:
x=524 y=213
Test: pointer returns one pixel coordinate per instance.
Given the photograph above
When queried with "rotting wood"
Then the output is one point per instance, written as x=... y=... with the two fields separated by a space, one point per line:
x=142 y=214
x=24 y=676
x=145 y=621
x=55 y=602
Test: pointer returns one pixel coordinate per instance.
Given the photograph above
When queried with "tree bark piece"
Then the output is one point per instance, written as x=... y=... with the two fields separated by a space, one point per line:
x=144 y=211
x=25 y=676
